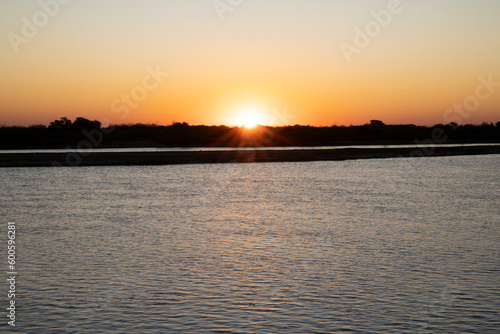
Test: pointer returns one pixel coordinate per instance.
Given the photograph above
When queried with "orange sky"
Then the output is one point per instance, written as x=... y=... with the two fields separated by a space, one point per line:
x=285 y=60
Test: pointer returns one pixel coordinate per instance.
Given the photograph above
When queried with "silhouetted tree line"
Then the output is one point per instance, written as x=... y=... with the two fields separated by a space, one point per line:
x=79 y=124
x=64 y=132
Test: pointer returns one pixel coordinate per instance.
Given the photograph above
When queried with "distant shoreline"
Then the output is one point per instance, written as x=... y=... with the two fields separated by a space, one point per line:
x=84 y=133
x=134 y=149
x=236 y=156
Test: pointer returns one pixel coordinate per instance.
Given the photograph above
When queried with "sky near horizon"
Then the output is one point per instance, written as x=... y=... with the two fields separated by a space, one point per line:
x=283 y=61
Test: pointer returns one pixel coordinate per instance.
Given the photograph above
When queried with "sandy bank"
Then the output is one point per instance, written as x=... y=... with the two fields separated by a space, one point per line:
x=238 y=156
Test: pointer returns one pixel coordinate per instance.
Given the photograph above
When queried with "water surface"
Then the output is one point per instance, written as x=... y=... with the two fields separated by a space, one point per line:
x=364 y=246
x=262 y=148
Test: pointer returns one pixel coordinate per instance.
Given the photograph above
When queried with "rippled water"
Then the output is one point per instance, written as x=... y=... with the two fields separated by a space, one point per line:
x=365 y=246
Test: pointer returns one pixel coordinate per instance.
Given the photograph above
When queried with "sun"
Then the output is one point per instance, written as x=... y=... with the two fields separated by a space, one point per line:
x=249 y=118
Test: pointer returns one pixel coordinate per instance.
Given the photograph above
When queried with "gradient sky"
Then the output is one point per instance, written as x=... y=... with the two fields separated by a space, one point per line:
x=265 y=55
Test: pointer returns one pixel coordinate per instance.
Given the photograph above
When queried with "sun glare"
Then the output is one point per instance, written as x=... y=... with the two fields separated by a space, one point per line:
x=249 y=118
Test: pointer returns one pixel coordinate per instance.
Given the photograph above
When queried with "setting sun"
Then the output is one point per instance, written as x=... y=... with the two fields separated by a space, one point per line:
x=249 y=118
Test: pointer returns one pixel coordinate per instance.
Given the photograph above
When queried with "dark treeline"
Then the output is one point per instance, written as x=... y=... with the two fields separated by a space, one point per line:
x=83 y=133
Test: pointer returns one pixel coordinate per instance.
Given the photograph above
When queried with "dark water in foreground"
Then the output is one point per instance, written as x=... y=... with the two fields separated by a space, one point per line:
x=365 y=246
